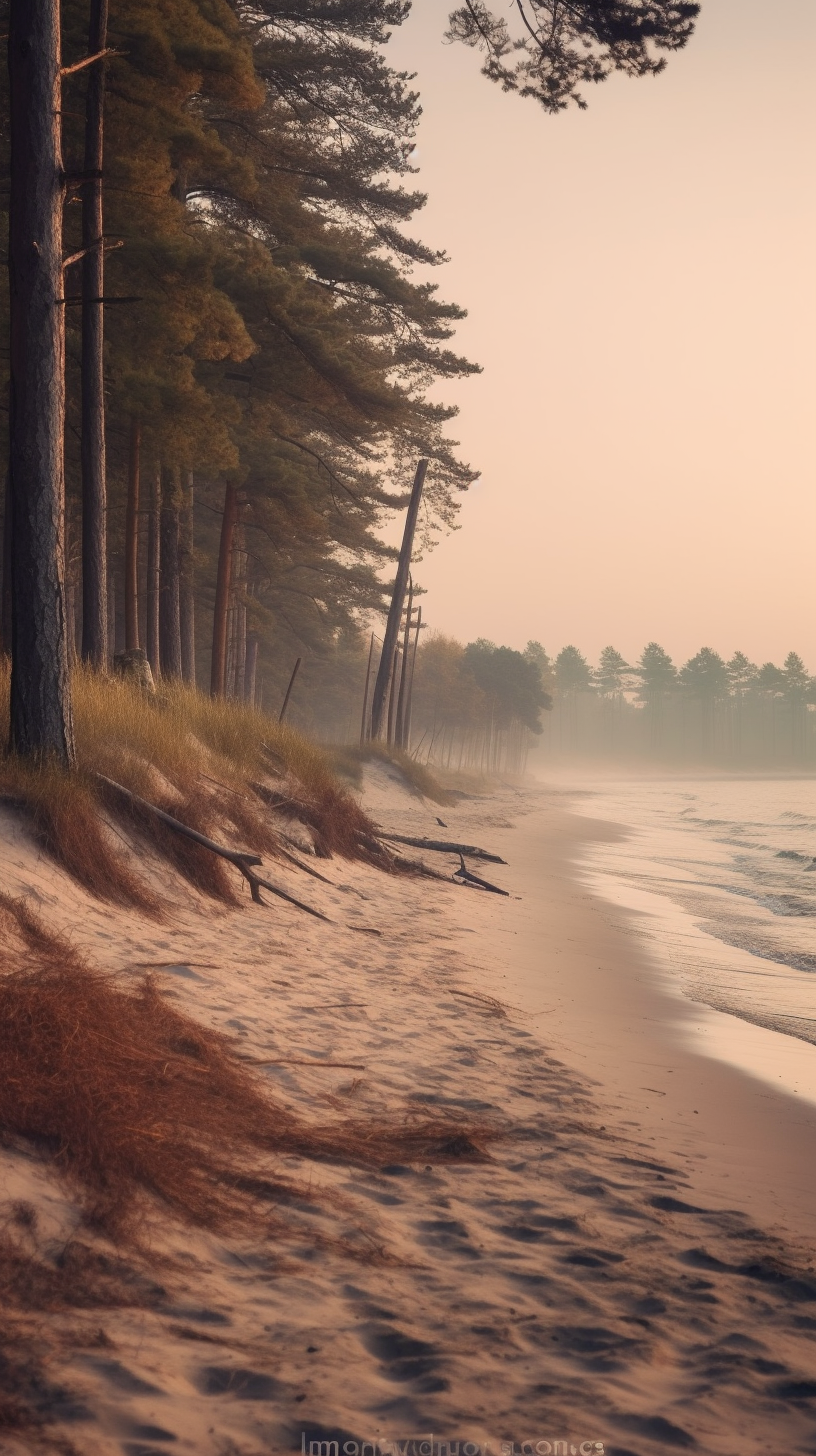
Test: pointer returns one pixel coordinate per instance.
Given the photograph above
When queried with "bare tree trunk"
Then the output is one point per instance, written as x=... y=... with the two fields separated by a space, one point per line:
x=222 y=592
x=392 y=697
x=236 y=657
x=186 y=584
x=251 y=669
x=132 y=536
x=403 y=682
x=364 y=718
x=41 y=719
x=153 y=562
x=380 y=696
x=94 y=502
x=110 y=634
x=240 y=650
x=5 y=602
x=71 y=625
x=169 y=619
x=409 y=707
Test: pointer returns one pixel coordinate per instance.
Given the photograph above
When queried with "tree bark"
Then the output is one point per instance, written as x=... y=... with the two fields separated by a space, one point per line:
x=132 y=537
x=222 y=592
x=169 y=616
x=153 y=561
x=187 y=584
x=251 y=669
x=5 y=601
x=378 y=702
x=94 y=489
x=403 y=682
x=409 y=707
x=41 y=719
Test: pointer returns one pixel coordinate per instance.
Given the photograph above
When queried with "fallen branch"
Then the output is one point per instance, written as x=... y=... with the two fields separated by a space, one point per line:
x=444 y=846
x=256 y=883
x=464 y=874
x=415 y=866
x=242 y=859
x=307 y=869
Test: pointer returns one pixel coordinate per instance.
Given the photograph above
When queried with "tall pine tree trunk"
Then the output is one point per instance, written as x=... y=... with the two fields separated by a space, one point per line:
x=132 y=536
x=169 y=619
x=251 y=669
x=41 y=720
x=5 y=599
x=94 y=502
x=223 y=583
x=186 y=584
x=111 y=612
x=153 y=558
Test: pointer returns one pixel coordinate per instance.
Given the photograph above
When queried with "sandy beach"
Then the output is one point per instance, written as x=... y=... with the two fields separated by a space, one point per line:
x=628 y=1269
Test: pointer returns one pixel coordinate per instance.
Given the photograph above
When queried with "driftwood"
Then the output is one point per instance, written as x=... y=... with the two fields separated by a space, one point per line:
x=444 y=846
x=415 y=866
x=243 y=859
x=463 y=873
x=307 y=869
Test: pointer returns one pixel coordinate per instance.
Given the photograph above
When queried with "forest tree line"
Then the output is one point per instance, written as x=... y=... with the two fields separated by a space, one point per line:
x=220 y=363
x=267 y=355
x=486 y=708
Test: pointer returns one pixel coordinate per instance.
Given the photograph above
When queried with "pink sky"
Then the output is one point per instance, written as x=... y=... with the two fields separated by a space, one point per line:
x=640 y=286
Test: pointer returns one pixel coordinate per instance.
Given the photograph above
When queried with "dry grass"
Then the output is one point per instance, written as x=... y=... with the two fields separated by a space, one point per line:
x=137 y=1103
x=201 y=760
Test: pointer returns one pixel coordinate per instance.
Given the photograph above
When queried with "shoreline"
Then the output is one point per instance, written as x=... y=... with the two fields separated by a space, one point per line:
x=617 y=1016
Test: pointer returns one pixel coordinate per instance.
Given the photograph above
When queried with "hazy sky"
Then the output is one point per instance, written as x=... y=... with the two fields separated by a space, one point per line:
x=640 y=285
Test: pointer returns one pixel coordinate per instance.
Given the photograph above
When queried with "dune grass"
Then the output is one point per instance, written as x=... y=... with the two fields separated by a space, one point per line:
x=137 y=1103
x=208 y=762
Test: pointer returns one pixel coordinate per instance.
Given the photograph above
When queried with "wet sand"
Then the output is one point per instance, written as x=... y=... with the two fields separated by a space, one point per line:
x=575 y=964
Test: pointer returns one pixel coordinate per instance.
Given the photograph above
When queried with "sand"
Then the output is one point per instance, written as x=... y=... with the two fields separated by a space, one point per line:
x=630 y=1271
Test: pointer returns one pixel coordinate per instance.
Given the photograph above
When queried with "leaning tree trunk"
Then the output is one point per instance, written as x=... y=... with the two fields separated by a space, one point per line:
x=218 y=670
x=186 y=584
x=379 y=701
x=41 y=720
x=132 y=537
x=153 y=562
x=94 y=503
x=169 y=619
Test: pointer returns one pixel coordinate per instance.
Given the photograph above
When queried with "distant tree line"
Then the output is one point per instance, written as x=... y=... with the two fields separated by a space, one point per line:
x=709 y=709
x=485 y=708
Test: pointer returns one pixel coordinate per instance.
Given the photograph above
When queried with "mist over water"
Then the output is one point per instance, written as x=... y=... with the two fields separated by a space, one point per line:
x=725 y=871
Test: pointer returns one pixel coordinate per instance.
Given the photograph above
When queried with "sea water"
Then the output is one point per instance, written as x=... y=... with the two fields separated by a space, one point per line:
x=723 y=875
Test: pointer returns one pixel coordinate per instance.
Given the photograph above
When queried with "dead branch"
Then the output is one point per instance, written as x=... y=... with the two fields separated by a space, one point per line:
x=444 y=846
x=241 y=858
x=463 y=873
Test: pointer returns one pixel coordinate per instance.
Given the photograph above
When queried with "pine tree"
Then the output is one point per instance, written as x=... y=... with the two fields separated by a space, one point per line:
x=41 y=721
x=557 y=48
x=573 y=673
x=610 y=674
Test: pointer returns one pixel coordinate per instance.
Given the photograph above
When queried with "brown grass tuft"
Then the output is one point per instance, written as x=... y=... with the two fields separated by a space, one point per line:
x=199 y=759
x=64 y=812
x=131 y=1098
